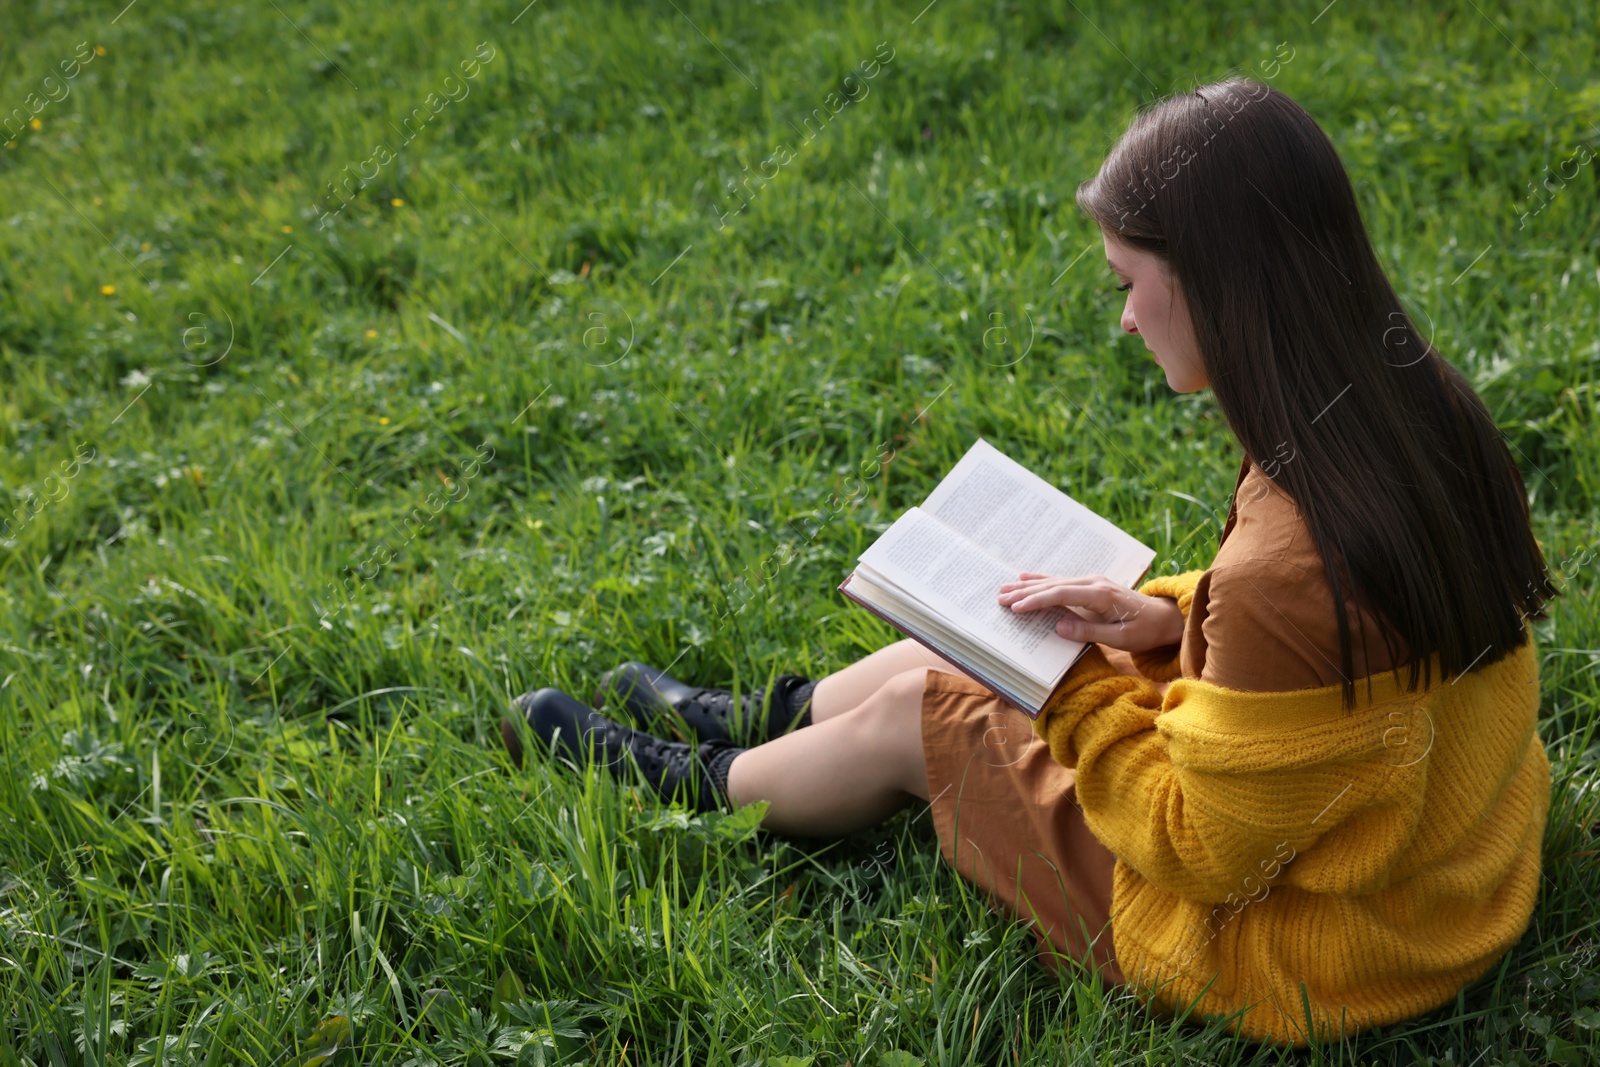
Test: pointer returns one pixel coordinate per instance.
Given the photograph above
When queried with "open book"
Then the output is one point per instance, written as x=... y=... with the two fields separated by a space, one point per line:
x=935 y=575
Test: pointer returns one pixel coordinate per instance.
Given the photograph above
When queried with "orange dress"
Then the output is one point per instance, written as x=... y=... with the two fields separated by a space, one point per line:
x=1262 y=619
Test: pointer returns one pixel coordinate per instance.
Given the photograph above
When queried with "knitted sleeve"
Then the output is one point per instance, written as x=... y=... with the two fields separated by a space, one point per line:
x=1170 y=799
x=1161 y=664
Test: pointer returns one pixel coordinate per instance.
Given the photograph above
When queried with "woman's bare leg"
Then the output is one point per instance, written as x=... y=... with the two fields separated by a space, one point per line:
x=845 y=773
x=848 y=688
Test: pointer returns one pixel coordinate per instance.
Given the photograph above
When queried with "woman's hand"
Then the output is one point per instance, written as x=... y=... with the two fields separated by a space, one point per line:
x=1099 y=610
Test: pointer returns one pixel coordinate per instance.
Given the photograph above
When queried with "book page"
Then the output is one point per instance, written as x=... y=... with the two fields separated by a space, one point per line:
x=926 y=560
x=1030 y=525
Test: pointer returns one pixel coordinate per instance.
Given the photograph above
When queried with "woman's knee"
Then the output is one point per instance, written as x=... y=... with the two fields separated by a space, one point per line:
x=895 y=710
x=916 y=654
x=905 y=688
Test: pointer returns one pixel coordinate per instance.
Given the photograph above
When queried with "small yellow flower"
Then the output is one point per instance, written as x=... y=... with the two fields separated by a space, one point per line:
x=107 y=290
x=371 y=334
x=383 y=420
x=397 y=202
x=98 y=201
x=99 y=49
x=144 y=246
x=288 y=229
x=37 y=124
x=295 y=378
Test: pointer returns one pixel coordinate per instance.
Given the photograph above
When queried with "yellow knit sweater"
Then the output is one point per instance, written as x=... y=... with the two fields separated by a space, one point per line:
x=1277 y=853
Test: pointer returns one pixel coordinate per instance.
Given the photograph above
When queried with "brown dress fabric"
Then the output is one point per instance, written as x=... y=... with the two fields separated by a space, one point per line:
x=1006 y=813
x=1008 y=821
x=1262 y=617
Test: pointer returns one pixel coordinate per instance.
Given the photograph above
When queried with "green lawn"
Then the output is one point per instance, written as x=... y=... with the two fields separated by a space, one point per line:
x=364 y=368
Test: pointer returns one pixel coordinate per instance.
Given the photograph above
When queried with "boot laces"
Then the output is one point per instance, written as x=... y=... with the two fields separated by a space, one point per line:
x=718 y=702
x=653 y=752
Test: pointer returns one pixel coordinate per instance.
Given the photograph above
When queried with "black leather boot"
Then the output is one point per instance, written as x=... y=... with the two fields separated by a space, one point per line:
x=694 y=773
x=648 y=693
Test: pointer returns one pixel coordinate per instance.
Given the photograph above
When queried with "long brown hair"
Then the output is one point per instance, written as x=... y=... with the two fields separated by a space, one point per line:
x=1411 y=497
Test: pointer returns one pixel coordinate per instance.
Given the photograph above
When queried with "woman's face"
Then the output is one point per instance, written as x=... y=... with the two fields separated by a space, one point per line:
x=1157 y=313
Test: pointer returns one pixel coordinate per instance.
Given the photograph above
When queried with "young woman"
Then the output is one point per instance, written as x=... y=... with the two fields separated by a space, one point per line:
x=1301 y=788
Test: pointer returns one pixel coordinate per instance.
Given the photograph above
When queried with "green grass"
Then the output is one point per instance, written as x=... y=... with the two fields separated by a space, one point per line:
x=235 y=805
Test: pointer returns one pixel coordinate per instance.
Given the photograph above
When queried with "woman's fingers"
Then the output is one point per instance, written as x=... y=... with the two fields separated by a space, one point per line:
x=1034 y=597
x=1029 y=595
x=1044 y=598
x=1096 y=594
x=1097 y=609
x=1076 y=628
